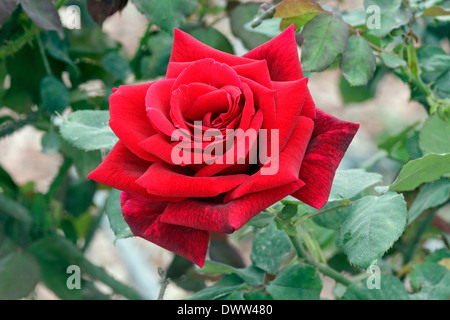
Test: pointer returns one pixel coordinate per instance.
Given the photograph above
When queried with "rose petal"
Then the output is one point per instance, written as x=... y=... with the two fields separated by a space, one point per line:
x=289 y=97
x=289 y=163
x=224 y=217
x=256 y=71
x=143 y=215
x=162 y=180
x=210 y=72
x=186 y=48
x=157 y=103
x=128 y=117
x=329 y=141
x=281 y=55
x=264 y=99
x=120 y=170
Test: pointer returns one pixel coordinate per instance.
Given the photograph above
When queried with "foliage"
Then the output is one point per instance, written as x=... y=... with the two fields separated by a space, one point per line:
x=44 y=69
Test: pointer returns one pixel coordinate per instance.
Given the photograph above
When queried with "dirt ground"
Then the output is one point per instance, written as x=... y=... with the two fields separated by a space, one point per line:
x=135 y=261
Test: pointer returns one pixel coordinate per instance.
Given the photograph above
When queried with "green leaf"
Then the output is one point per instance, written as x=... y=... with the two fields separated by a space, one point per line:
x=431 y=195
x=297 y=13
x=213 y=38
x=392 y=61
x=89 y=130
x=332 y=219
x=432 y=279
x=371 y=227
x=54 y=260
x=239 y=17
x=426 y=169
x=58 y=48
x=14 y=209
x=19 y=274
x=433 y=59
x=297 y=282
x=358 y=62
x=326 y=37
x=168 y=14
x=117 y=65
x=261 y=220
x=227 y=285
x=435 y=135
x=54 y=95
x=349 y=183
x=270 y=246
x=438 y=255
x=79 y=196
x=7 y=185
x=289 y=211
x=436 y=11
x=268 y=27
x=392 y=15
x=7 y=7
x=114 y=212
x=391 y=288
x=44 y=14
x=50 y=143
x=156 y=64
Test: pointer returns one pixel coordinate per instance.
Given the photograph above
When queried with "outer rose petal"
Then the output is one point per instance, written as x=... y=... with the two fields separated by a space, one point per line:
x=281 y=55
x=128 y=117
x=143 y=216
x=225 y=217
x=161 y=180
x=289 y=161
x=120 y=170
x=186 y=48
x=329 y=141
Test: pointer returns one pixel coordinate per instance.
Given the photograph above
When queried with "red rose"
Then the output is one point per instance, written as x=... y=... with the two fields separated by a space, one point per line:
x=175 y=202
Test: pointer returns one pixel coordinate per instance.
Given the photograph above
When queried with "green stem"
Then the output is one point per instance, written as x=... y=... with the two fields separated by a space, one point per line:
x=99 y=273
x=90 y=235
x=44 y=58
x=13 y=46
x=326 y=270
x=304 y=218
x=415 y=241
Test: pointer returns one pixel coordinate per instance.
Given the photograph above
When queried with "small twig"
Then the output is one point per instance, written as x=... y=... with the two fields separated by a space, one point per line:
x=326 y=270
x=165 y=282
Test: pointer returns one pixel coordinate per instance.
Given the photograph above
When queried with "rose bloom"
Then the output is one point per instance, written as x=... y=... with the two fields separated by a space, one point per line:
x=177 y=204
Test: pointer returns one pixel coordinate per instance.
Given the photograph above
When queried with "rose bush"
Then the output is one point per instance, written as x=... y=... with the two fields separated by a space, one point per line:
x=176 y=205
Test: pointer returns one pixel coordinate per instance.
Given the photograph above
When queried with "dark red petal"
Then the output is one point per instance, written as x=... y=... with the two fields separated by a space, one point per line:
x=128 y=117
x=162 y=180
x=120 y=170
x=290 y=98
x=143 y=217
x=289 y=163
x=224 y=217
x=329 y=141
x=281 y=55
x=186 y=48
